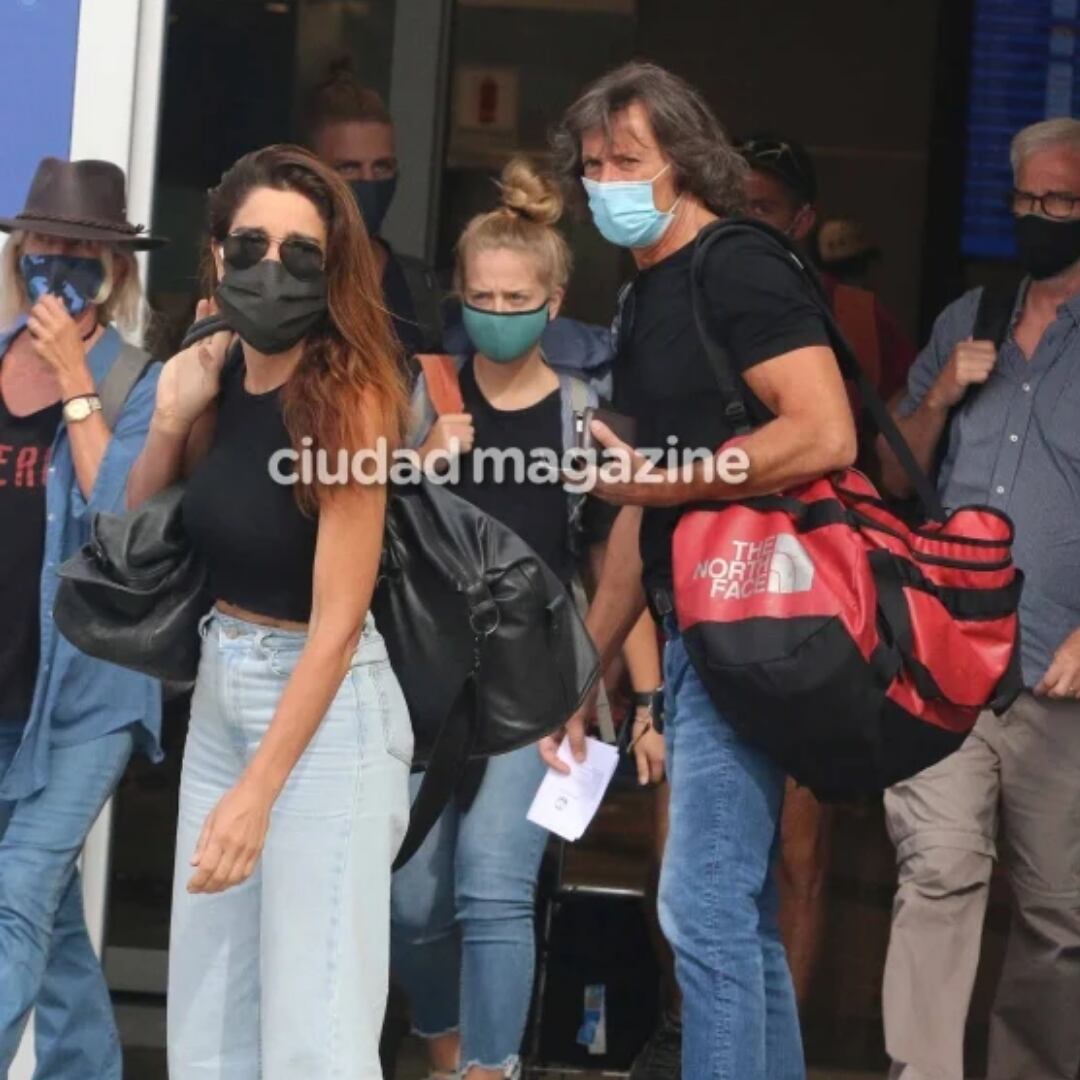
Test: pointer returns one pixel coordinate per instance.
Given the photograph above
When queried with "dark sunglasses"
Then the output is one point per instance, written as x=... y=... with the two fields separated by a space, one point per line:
x=247 y=247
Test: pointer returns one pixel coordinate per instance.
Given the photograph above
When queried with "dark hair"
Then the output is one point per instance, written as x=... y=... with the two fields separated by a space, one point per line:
x=701 y=154
x=787 y=160
x=348 y=389
x=341 y=98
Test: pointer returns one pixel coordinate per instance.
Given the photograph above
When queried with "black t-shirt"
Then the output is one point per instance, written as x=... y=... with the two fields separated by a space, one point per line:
x=537 y=512
x=25 y=445
x=760 y=307
x=259 y=548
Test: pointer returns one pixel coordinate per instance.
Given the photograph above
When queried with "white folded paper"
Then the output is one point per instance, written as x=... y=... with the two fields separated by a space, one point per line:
x=566 y=804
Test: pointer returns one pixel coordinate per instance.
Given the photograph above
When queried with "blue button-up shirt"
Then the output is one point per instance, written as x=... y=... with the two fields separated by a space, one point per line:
x=77 y=698
x=1014 y=444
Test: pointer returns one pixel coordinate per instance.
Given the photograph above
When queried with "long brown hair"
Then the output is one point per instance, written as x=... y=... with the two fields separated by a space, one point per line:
x=349 y=387
x=705 y=163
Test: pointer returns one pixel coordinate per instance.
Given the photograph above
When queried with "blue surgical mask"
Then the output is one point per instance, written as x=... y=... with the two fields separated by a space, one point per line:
x=76 y=280
x=625 y=213
x=374 y=198
x=505 y=336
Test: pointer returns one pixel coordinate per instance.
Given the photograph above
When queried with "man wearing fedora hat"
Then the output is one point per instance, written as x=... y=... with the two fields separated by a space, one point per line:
x=75 y=407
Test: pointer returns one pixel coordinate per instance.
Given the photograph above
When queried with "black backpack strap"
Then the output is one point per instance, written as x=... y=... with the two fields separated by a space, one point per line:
x=993 y=317
x=449 y=757
x=127 y=369
x=427 y=300
x=729 y=381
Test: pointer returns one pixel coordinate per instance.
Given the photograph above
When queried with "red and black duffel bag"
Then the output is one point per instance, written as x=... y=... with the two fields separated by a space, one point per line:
x=856 y=650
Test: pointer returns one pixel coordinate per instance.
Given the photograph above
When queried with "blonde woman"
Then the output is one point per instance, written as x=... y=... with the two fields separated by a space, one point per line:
x=463 y=939
x=68 y=724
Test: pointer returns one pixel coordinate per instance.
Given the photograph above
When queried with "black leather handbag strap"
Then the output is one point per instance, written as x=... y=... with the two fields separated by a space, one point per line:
x=729 y=381
x=203 y=328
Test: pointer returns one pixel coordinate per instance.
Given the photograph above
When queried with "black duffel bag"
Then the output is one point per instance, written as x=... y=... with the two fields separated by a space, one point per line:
x=486 y=642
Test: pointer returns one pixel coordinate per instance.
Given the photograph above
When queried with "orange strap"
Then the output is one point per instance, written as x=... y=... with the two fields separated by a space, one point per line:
x=441 y=375
x=854 y=311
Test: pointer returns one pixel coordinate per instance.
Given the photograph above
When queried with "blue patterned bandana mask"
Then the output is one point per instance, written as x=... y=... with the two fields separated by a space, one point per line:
x=76 y=280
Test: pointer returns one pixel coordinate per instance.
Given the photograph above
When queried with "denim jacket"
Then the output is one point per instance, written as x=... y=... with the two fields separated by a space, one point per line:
x=77 y=698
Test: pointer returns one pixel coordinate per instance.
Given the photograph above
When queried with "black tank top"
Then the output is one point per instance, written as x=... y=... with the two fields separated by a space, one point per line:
x=258 y=546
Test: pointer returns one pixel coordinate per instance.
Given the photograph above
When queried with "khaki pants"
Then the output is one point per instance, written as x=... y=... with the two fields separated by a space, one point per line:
x=1016 y=778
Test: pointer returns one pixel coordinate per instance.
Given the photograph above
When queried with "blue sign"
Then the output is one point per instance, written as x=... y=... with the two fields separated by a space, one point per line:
x=38 y=41
x=1024 y=68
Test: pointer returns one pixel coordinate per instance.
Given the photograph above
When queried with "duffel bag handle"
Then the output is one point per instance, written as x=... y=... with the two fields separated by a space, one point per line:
x=729 y=382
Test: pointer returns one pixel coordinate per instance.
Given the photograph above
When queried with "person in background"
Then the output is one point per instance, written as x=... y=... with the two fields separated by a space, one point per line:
x=294 y=793
x=657 y=169
x=351 y=130
x=68 y=723
x=464 y=939
x=781 y=189
x=1007 y=421
x=842 y=250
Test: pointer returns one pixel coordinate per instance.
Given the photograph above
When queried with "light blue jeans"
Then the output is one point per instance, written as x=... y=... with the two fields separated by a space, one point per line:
x=464 y=944
x=718 y=898
x=285 y=976
x=46 y=960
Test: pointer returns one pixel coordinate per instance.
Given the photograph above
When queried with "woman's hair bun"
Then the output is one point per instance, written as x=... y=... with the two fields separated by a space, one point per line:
x=529 y=194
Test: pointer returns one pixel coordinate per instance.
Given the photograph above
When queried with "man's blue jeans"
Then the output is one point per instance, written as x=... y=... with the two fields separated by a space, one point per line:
x=718 y=899
x=46 y=960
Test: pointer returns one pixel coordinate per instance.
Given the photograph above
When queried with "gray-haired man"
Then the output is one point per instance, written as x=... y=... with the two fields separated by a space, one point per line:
x=1010 y=421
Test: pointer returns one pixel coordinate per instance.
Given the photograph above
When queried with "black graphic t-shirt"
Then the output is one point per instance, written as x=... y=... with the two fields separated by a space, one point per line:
x=25 y=445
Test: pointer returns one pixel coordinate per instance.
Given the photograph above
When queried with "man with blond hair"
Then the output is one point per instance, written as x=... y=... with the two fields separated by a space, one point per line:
x=1007 y=420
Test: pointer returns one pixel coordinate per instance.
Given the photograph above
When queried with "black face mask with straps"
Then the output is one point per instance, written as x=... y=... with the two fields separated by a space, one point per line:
x=269 y=307
x=1046 y=247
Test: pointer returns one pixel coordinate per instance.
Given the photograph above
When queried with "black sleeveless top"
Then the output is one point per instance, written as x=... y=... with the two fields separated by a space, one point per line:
x=258 y=546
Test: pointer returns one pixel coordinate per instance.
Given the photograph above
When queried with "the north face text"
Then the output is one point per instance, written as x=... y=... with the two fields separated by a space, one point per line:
x=778 y=564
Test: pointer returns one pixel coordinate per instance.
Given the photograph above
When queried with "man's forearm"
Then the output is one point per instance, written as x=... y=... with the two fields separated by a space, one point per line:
x=781 y=454
x=620 y=598
x=922 y=431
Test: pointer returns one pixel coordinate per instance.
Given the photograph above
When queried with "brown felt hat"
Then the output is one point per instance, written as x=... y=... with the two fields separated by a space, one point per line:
x=80 y=200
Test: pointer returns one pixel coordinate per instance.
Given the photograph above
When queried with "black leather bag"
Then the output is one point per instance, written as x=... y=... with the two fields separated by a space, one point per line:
x=490 y=651
x=135 y=592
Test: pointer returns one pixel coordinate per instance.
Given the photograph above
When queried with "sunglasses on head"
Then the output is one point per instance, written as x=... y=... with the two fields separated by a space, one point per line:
x=247 y=247
x=769 y=150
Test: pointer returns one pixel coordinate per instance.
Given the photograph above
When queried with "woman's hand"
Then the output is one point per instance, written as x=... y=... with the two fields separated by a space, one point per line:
x=232 y=839
x=452 y=433
x=190 y=381
x=55 y=337
x=648 y=747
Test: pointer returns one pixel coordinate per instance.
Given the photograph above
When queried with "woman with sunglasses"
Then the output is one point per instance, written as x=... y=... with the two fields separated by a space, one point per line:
x=294 y=795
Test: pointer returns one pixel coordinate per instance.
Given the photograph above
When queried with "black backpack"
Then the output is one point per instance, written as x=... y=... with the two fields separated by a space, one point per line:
x=490 y=651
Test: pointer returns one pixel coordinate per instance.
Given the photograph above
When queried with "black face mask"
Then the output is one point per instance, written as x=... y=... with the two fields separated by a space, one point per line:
x=374 y=198
x=1046 y=247
x=270 y=308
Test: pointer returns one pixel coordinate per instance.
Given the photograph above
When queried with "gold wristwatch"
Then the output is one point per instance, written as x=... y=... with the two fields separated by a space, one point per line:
x=81 y=407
